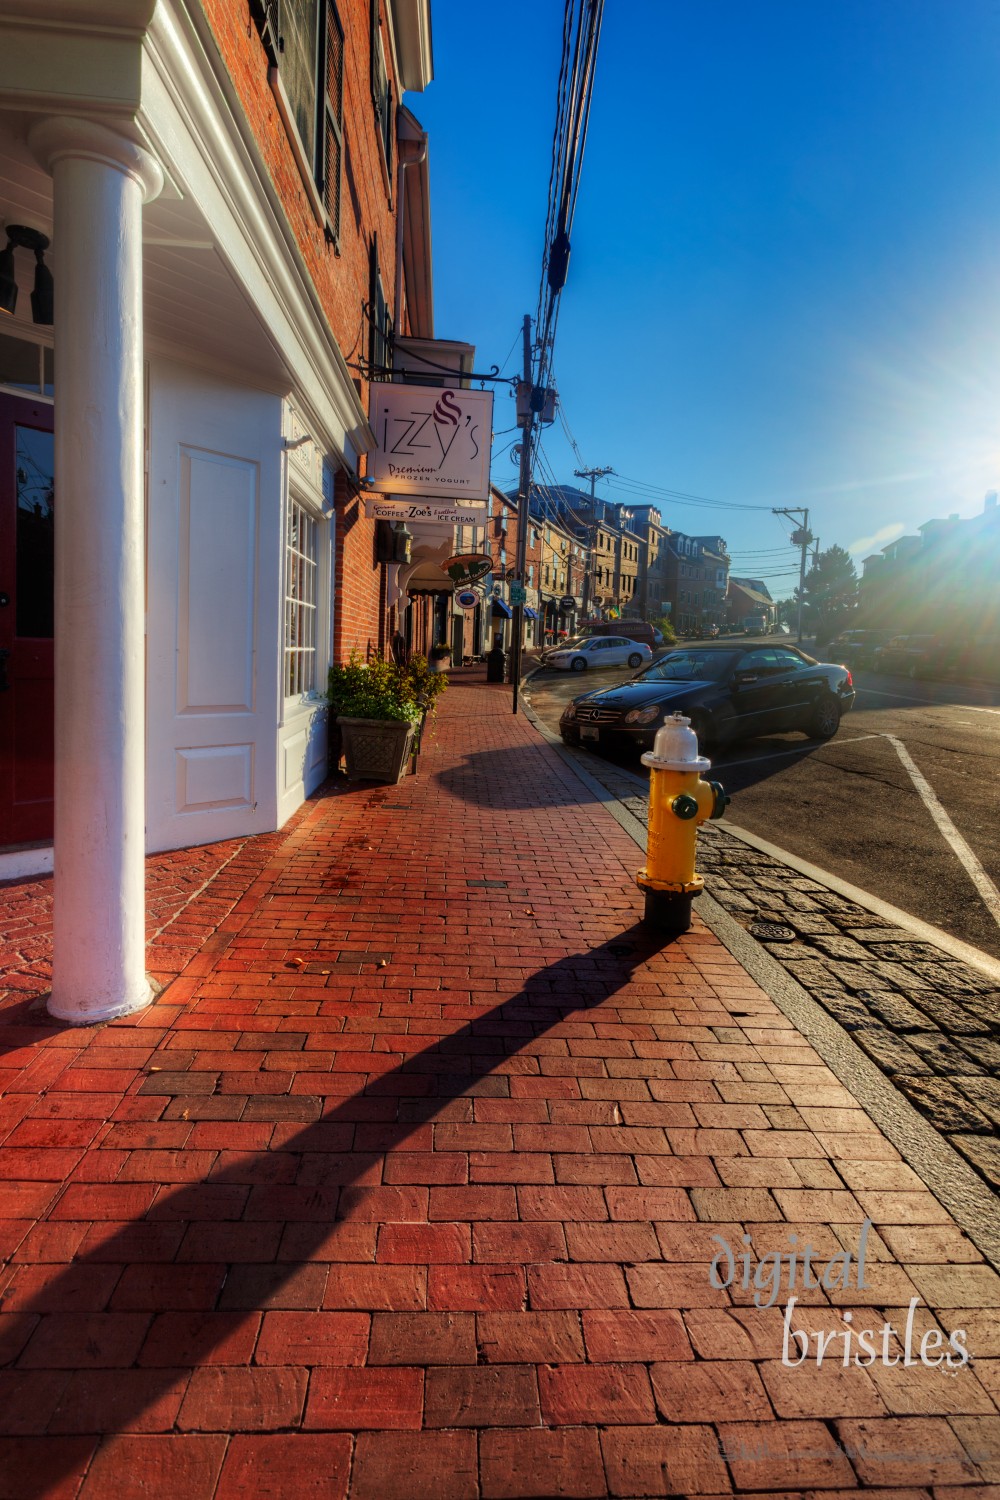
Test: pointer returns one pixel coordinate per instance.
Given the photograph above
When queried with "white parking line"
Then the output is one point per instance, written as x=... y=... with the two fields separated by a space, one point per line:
x=902 y=698
x=975 y=871
x=970 y=708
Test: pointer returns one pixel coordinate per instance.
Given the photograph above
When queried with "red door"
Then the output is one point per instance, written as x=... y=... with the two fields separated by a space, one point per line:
x=26 y=556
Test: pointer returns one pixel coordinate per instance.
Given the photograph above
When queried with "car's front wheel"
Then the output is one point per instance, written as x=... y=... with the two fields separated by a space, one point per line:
x=579 y=664
x=635 y=660
x=825 y=721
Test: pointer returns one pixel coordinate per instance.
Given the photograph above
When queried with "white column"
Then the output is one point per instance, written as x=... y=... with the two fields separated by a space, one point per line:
x=100 y=180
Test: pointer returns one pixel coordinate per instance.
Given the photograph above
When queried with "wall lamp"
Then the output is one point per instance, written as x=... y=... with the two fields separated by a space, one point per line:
x=403 y=539
x=20 y=237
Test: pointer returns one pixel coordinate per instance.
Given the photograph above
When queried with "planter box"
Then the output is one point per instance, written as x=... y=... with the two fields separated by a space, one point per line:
x=376 y=749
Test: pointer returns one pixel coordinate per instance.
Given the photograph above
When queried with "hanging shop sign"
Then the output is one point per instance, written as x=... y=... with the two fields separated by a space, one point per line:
x=441 y=514
x=431 y=442
x=468 y=567
x=567 y=604
x=467 y=598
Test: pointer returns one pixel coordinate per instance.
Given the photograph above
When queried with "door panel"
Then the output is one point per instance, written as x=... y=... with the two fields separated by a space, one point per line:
x=213 y=574
x=27 y=543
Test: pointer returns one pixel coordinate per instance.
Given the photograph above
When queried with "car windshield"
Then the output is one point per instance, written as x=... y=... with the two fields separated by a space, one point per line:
x=571 y=644
x=690 y=666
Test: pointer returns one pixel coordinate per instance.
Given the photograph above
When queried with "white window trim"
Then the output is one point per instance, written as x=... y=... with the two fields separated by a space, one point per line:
x=304 y=702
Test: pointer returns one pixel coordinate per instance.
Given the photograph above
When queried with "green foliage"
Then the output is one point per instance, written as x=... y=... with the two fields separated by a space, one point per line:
x=830 y=594
x=382 y=689
x=440 y=651
x=426 y=685
x=666 y=627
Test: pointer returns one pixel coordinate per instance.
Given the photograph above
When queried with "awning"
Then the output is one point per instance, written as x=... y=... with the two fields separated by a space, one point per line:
x=500 y=608
x=531 y=614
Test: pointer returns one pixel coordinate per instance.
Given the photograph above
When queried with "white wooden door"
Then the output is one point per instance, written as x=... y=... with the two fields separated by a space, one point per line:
x=213 y=647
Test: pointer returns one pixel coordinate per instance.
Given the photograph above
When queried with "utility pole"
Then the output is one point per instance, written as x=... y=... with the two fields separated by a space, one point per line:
x=801 y=538
x=523 y=506
x=593 y=475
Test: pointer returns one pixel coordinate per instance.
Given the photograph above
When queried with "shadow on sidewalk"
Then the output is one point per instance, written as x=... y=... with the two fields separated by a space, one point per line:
x=503 y=778
x=325 y=1185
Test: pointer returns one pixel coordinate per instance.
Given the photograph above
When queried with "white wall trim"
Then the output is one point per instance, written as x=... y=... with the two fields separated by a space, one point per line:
x=25 y=864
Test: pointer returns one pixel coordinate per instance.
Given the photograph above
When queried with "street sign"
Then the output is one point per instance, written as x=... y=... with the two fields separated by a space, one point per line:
x=438 y=513
x=517 y=593
x=567 y=604
x=468 y=567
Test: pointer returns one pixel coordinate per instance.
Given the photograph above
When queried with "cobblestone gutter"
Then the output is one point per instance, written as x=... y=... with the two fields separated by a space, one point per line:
x=930 y=1022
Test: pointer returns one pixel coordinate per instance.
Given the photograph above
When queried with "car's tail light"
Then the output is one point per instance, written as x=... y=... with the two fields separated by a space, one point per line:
x=850 y=679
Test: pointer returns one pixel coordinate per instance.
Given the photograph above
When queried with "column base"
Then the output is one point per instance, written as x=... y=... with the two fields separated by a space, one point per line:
x=81 y=1014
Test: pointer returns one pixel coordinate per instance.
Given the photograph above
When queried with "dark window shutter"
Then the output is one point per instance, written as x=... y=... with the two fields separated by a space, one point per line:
x=375 y=50
x=333 y=119
x=380 y=324
x=381 y=87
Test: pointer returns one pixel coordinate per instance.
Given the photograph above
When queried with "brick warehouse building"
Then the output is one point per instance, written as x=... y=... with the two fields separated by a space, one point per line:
x=238 y=224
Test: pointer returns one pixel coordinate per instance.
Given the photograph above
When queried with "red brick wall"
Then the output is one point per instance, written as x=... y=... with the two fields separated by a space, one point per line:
x=359 y=616
x=341 y=280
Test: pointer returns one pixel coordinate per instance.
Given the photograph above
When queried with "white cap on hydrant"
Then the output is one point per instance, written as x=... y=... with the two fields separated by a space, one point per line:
x=676 y=748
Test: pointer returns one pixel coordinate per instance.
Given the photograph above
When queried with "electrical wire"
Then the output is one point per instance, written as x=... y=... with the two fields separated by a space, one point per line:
x=581 y=33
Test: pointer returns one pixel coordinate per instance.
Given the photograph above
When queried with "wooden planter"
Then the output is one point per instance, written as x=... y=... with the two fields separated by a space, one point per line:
x=376 y=749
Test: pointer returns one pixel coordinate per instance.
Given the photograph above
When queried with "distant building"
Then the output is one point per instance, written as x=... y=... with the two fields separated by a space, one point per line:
x=750 y=605
x=695 y=581
x=942 y=582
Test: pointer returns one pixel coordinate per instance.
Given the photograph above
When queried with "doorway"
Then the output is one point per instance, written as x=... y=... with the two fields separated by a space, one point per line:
x=27 y=549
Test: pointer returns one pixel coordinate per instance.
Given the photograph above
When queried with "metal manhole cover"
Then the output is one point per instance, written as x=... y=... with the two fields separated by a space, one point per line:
x=772 y=932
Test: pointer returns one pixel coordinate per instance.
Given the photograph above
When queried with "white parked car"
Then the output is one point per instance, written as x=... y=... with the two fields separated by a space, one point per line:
x=598 y=651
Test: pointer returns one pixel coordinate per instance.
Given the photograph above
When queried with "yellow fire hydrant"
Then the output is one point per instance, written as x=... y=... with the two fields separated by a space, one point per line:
x=678 y=802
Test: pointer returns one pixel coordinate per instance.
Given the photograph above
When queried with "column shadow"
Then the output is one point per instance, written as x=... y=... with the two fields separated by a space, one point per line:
x=335 y=1154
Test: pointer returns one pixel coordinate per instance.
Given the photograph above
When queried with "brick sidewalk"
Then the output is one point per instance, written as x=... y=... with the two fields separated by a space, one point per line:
x=407 y=1187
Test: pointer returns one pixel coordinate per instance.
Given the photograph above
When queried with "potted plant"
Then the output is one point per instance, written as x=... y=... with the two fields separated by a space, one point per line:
x=440 y=657
x=377 y=707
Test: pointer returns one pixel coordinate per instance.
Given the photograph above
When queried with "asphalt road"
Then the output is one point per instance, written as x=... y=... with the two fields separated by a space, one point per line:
x=904 y=801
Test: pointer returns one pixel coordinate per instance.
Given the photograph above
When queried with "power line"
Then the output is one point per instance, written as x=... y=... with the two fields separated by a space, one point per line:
x=683 y=496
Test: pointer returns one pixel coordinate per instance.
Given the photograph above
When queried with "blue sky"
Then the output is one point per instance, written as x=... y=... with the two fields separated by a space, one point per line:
x=785 y=278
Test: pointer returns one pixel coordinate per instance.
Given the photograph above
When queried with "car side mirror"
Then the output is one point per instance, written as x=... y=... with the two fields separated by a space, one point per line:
x=742 y=679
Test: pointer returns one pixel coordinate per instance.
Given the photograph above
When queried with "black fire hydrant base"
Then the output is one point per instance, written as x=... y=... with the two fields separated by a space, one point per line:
x=667 y=913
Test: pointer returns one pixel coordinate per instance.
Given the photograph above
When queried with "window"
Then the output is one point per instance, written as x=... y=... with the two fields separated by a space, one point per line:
x=333 y=119
x=299 y=68
x=381 y=87
x=25 y=366
x=304 y=41
x=301 y=557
